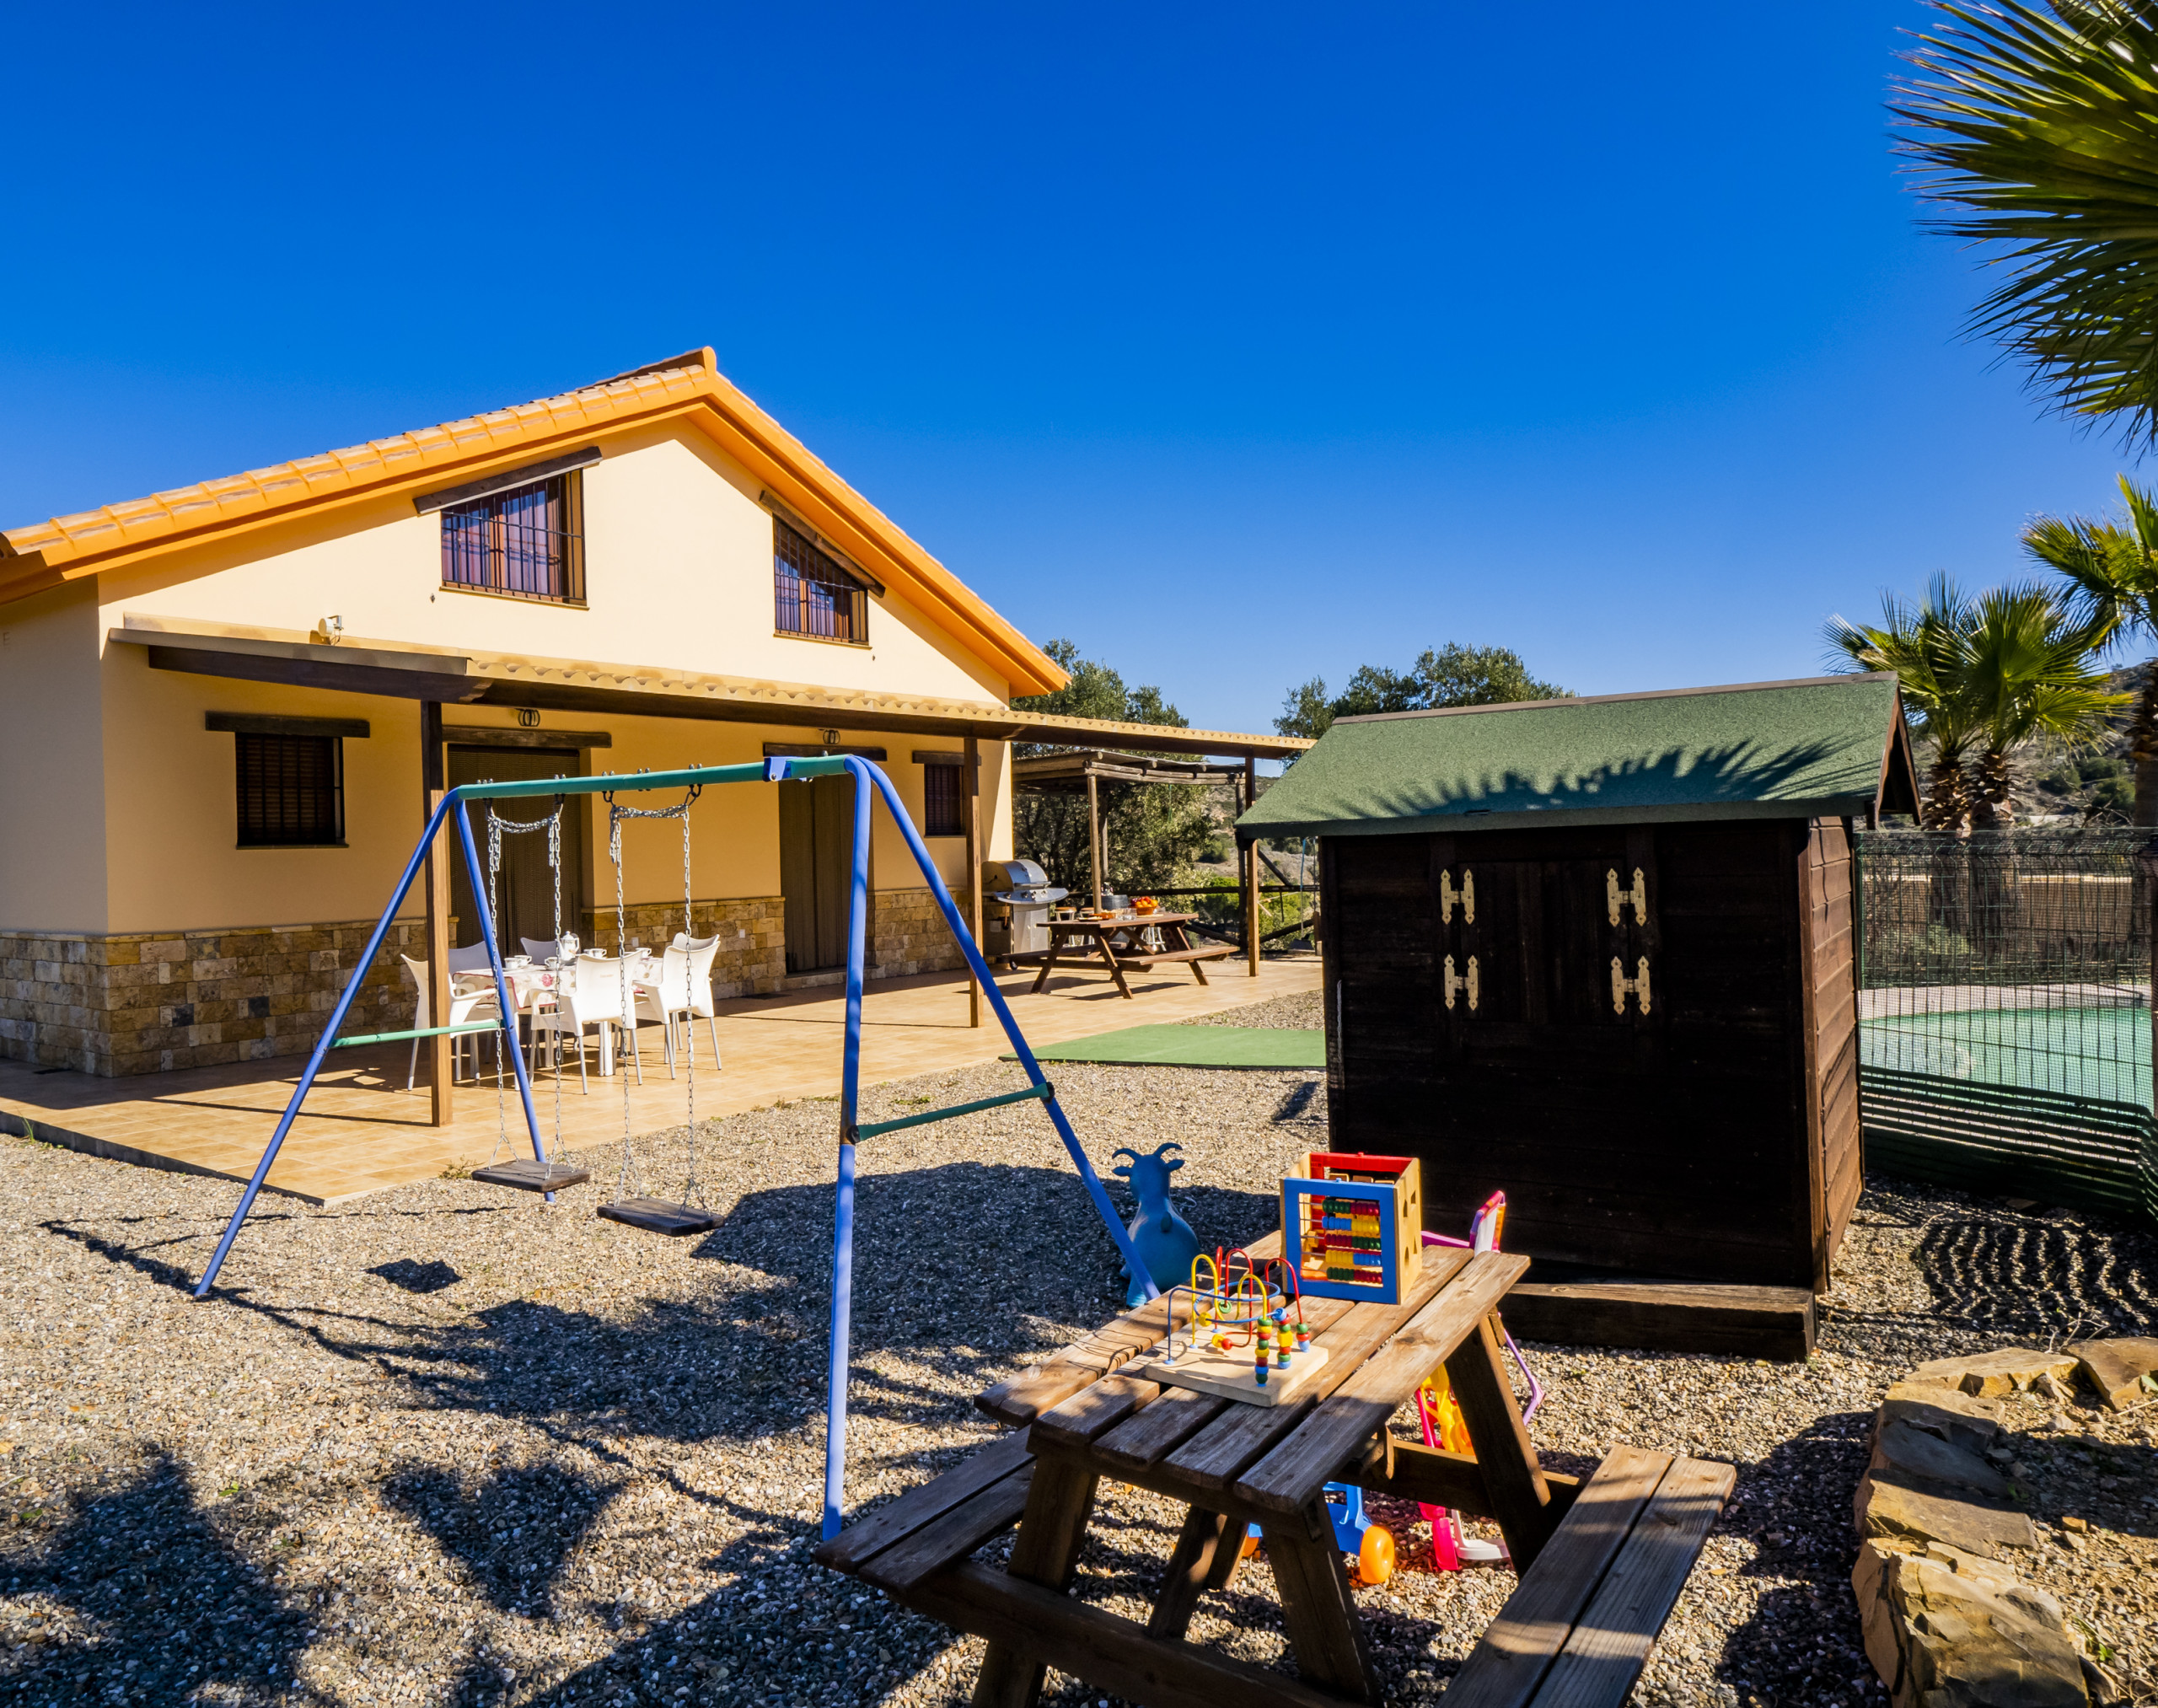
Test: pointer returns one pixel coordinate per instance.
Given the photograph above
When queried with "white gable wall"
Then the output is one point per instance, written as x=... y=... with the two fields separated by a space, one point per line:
x=678 y=574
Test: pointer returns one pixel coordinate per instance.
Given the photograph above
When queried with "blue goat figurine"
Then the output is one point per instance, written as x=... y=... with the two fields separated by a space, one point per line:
x=1164 y=1240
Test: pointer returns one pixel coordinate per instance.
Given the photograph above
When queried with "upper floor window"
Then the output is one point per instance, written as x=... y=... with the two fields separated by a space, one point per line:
x=526 y=543
x=812 y=595
x=291 y=790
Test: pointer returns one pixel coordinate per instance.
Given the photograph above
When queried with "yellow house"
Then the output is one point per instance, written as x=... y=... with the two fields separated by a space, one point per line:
x=228 y=705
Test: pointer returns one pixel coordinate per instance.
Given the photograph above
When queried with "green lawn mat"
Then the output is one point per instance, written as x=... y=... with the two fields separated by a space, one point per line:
x=1195 y=1046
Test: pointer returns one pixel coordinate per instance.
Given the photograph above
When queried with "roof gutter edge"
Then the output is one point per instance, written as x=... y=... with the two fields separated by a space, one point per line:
x=1434 y=824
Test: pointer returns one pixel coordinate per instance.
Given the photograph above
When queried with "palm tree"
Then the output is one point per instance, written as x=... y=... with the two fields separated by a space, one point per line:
x=2111 y=572
x=1922 y=644
x=2024 y=670
x=2038 y=122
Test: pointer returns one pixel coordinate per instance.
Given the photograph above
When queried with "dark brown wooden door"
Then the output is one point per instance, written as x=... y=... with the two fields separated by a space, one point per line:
x=1669 y=1143
x=816 y=860
x=526 y=889
x=1526 y=947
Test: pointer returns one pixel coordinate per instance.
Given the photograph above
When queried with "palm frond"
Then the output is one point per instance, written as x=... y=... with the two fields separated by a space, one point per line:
x=2041 y=123
x=2025 y=669
x=2108 y=569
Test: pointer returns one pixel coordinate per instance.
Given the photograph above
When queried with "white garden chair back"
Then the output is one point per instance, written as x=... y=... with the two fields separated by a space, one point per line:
x=683 y=995
x=477 y=1004
x=588 y=993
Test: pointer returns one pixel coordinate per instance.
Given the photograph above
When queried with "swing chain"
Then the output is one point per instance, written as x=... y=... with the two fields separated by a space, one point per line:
x=616 y=814
x=498 y=827
x=628 y=1172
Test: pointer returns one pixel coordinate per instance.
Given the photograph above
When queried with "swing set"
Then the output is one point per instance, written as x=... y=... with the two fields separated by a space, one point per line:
x=540 y=1173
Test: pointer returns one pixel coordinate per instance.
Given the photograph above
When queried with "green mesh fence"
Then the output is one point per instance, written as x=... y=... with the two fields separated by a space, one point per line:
x=2005 y=1022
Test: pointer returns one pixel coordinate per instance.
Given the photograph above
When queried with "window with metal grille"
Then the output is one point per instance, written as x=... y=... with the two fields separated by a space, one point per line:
x=943 y=800
x=526 y=543
x=291 y=790
x=812 y=593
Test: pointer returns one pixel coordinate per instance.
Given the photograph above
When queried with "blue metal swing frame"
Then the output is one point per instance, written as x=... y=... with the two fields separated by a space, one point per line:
x=869 y=781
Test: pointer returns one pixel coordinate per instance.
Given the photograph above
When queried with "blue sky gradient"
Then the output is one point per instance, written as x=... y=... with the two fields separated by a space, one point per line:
x=1238 y=345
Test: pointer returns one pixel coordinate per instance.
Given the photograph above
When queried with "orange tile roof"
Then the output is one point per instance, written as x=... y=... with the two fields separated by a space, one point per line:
x=68 y=548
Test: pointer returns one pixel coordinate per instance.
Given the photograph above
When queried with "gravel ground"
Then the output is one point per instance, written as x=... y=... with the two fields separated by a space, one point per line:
x=1301 y=1012
x=446 y=1446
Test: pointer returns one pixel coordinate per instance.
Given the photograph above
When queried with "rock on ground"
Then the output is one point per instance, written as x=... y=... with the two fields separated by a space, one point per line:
x=1949 y=1634
x=2120 y=1373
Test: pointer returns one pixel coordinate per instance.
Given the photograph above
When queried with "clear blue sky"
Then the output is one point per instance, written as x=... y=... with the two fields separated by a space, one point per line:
x=1238 y=345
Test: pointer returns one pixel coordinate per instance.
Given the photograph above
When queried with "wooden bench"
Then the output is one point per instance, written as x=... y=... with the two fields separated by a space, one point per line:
x=938 y=1523
x=1603 y=1561
x=1579 y=1627
x=1575 y=1634
x=1165 y=958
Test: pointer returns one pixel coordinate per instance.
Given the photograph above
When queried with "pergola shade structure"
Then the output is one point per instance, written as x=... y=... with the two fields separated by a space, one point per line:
x=1083 y=771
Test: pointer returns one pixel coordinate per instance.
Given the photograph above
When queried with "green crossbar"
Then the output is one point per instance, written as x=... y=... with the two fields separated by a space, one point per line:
x=870 y=1130
x=424 y=1032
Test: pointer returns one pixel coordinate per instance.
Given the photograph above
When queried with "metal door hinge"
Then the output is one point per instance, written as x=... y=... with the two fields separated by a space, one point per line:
x=1620 y=984
x=1618 y=898
x=1465 y=895
x=1455 y=983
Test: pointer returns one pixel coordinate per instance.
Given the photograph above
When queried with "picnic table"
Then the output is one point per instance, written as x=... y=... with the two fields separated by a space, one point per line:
x=1119 y=942
x=1602 y=1562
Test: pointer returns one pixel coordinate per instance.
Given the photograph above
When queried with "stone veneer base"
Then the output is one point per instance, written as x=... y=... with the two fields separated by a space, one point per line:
x=151 y=1001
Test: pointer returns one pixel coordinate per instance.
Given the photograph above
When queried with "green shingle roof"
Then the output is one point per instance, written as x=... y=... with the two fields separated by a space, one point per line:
x=1825 y=747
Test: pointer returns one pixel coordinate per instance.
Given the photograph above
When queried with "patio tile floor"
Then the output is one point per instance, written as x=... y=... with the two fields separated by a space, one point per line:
x=361 y=1131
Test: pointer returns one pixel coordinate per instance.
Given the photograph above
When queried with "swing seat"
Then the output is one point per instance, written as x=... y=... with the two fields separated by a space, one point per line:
x=658 y=1215
x=530 y=1174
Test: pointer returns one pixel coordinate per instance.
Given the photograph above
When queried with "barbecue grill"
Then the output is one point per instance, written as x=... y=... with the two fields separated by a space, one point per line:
x=1020 y=896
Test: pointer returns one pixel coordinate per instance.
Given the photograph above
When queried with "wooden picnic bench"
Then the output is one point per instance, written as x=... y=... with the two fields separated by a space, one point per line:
x=1602 y=1564
x=1097 y=947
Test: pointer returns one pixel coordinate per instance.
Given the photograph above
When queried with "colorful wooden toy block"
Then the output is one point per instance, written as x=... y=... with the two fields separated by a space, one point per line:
x=1356 y=1225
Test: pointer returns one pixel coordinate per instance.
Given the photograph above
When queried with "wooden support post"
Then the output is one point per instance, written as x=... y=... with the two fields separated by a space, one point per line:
x=441 y=1051
x=1318 y=1610
x=1513 y=1480
x=1251 y=875
x=1053 y=1529
x=1094 y=835
x=1204 y=1556
x=972 y=764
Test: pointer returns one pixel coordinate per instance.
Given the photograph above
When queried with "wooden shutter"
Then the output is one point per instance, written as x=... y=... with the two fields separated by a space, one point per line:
x=291 y=790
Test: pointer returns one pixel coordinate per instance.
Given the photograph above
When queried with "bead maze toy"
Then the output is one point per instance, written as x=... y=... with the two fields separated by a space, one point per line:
x=1353 y=1222
x=1246 y=1340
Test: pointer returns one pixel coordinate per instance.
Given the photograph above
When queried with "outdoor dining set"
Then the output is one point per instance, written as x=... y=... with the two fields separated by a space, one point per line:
x=566 y=995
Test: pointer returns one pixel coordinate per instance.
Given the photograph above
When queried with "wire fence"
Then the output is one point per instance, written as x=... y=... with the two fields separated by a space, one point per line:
x=2004 y=1017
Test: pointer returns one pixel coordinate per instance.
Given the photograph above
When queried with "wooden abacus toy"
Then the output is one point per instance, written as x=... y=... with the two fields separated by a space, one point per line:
x=1356 y=1224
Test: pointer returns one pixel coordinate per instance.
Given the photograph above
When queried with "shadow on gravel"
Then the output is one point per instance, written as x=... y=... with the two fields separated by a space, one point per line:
x=2055 y=1274
x=416 y=1277
x=772 y=1635
x=171 y=1610
x=1803 y=1644
x=182 y=1278
x=961 y=1270
x=511 y=1533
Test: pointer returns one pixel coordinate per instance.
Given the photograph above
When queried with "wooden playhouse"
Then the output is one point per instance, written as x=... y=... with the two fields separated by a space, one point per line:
x=1598 y=953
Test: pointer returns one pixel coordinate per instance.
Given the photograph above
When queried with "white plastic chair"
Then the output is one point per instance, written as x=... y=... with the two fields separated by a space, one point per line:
x=477 y=1005
x=540 y=949
x=588 y=992
x=684 y=993
x=471 y=959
